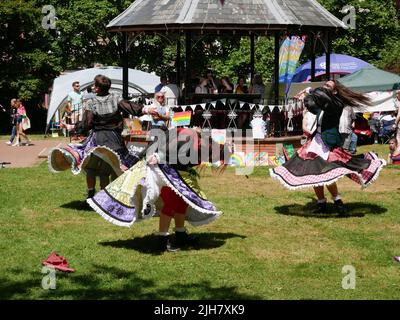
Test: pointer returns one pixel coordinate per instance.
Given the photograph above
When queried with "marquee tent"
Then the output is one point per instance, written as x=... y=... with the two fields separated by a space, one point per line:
x=381 y=101
x=140 y=83
x=371 y=79
x=340 y=64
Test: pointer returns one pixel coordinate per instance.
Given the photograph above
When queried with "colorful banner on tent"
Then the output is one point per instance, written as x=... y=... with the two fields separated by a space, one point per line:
x=181 y=119
x=289 y=55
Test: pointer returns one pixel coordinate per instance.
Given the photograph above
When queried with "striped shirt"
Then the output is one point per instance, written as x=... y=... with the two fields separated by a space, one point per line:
x=102 y=105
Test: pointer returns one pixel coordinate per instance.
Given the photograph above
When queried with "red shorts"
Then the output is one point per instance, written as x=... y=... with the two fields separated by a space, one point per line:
x=173 y=204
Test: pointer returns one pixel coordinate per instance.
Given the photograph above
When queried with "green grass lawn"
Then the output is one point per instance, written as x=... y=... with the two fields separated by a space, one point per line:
x=266 y=245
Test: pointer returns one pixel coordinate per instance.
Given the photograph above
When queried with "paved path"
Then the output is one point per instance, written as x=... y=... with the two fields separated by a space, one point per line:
x=28 y=156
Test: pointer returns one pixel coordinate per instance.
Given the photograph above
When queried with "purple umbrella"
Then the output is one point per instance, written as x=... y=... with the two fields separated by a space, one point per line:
x=340 y=64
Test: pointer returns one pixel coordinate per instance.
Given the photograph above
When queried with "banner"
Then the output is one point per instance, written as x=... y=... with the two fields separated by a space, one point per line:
x=289 y=55
x=289 y=105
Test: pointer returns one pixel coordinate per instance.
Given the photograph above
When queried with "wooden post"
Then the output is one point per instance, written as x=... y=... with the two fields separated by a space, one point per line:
x=328 y=55
x=178 y=61
x=252 y=54
x=313 y=45
x=276 y=69
x=188 y=69
x=125 y=67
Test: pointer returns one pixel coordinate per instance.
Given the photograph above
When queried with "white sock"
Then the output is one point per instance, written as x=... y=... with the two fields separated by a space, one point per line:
x=164 y=234
x=182 y=229
x=322 y=200
x=338 y=197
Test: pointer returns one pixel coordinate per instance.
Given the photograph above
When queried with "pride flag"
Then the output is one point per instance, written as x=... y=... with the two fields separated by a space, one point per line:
x=181 y=119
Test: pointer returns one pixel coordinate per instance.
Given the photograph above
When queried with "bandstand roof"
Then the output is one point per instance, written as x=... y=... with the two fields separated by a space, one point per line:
x=212 y=15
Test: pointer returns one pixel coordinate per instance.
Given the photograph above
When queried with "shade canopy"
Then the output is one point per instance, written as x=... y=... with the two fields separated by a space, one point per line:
x=340 y=64
x=371 y=79
x=241 y=15
x=381 y=101
x=141 y=82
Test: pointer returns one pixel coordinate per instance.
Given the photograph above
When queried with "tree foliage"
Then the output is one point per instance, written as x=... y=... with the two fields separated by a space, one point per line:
x=376 y=31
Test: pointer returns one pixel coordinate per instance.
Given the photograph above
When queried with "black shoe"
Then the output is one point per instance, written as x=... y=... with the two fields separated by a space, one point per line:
x=340 y=208
x=147 y=211
x=183 y=239
x=321 y=208
x=91 y=193
x=164 y=244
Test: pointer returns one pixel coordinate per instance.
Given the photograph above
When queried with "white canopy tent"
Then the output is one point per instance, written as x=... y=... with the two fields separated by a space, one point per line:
x=139 y=83
x=381 y=101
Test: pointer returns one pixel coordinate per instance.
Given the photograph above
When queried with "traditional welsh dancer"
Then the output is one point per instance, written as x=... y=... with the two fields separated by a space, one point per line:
x=103 y=153
x=322 y=160
x=164 y=181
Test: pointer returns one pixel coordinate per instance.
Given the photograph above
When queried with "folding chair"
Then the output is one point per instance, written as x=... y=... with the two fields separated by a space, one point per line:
x=386 y=131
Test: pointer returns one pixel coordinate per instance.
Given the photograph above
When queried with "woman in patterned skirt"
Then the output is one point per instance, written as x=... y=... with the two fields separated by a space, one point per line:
x=322 y=160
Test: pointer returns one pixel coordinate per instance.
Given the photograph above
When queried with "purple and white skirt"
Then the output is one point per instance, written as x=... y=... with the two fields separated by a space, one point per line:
x=108 y=158
x=135 y=196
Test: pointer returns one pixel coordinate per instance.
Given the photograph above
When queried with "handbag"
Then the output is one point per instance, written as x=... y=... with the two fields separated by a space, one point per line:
x=26 y=123
x=332 y=138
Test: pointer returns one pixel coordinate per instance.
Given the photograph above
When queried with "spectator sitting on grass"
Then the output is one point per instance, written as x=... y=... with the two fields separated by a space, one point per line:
x=394 y=152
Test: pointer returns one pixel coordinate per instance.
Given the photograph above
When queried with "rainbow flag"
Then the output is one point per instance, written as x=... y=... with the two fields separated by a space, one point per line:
x=181 y=119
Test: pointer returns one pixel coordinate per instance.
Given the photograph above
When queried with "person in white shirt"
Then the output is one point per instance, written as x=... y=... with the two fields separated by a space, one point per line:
x=396 y=123
x=171 y=92
x=159 y=111
x=75 y=102
x=346 y=124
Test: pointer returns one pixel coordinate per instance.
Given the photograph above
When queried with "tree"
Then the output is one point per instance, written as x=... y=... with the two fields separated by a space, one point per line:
x=26 y=60
x=31 y=55
x=377 y=30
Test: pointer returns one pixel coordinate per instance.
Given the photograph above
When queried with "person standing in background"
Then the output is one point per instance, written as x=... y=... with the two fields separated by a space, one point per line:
x=163 y=82
x=171 y=91
x=13 y=121
x=75 y=102
x=89 y=94
x=346 y=125
x=21 y=115
x=396 y=123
